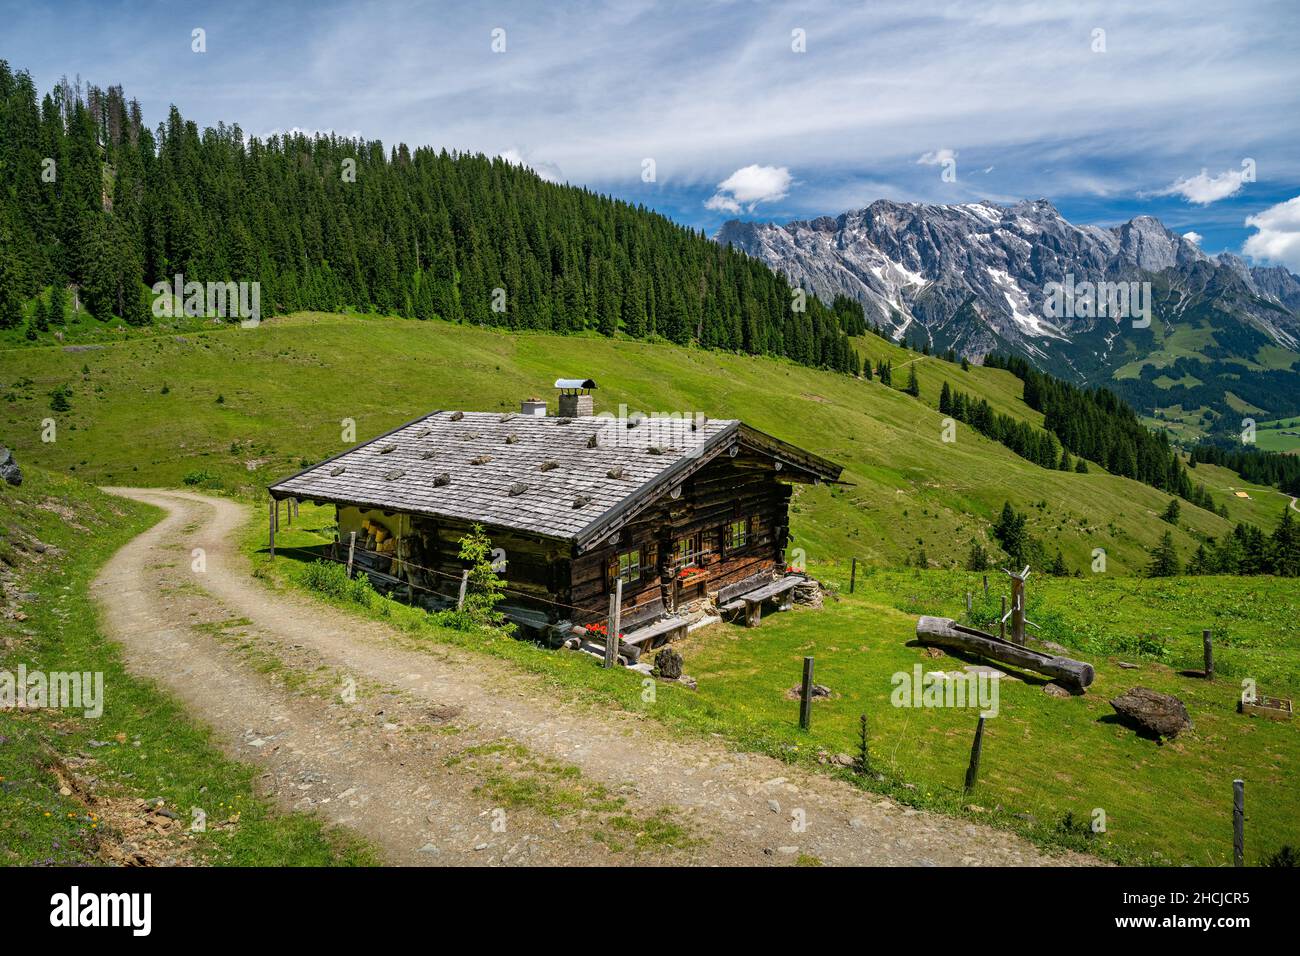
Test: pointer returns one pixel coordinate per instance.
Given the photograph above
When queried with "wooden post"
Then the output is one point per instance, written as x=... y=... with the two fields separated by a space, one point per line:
x=288 y=511
x=352 y=548
x=273 y=512
x=968 y=604
x=986 y=585
x=1209 y=654
x=464 y=583
x=973 y=770
x=614 y=624
x=1018 y=610
x=1238 y=823
x=853 y=575
x=1002 y=621
x=805 y=695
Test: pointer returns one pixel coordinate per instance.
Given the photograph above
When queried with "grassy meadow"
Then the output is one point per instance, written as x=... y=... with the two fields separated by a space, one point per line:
x=228 y=410
x=1047 y=763
x=233 y=409
x=143 y=746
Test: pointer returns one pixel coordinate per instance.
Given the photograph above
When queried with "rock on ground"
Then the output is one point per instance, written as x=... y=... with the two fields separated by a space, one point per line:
x=1161 y=714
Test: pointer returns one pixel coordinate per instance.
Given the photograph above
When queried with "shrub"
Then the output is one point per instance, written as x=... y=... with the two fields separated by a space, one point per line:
x=201 y=477
x=1286 y=856
x=332 y=580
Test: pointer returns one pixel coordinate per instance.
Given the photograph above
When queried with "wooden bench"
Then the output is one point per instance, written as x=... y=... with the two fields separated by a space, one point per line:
x=752 y=600
x=530 y=617
x=731 y=592
x=648 y=625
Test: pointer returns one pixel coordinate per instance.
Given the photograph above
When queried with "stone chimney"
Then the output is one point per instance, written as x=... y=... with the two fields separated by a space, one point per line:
x=533 y=406
x=575 y=397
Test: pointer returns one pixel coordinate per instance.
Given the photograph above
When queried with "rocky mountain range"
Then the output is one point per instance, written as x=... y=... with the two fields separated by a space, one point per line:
x=1021 y=279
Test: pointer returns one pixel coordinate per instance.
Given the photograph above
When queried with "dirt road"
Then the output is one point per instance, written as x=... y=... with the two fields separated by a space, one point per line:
x=444 y=757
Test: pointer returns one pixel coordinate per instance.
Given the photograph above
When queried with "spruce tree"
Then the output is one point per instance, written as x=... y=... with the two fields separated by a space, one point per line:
x=1164 y=559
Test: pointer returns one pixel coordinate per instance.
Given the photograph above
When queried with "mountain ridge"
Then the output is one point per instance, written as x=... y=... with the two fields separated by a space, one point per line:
x=976 y=277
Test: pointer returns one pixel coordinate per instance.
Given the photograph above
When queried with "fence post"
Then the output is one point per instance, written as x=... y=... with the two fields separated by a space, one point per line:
x=1002 y=621
x=464 y=583
x=986 y=585
x=853 y=575
x=1208 y=638
x=1238 y=823
x=805 y=695
x=614 y=624
x=968 y=604
x=973 y=770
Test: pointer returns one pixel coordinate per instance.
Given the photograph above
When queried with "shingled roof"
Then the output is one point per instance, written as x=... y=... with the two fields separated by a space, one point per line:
x=572 y=479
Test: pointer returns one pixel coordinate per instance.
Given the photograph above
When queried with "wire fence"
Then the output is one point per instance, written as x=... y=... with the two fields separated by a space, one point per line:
x=588 y=614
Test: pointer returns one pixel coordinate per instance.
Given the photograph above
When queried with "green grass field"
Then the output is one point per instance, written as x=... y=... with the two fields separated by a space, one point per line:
x=143 y=746
x=228 y=410
x=1043 y=759
x=235 y=409
x=1282 y=434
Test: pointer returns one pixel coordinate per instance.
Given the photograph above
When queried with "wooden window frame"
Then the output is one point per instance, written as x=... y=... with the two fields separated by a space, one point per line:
x=692 y=553
x=627 y=566
x=746 y=534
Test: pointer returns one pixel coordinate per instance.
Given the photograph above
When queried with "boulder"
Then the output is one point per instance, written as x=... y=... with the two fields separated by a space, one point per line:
x=1163 y=715
x=668 y=664
x=9 y=469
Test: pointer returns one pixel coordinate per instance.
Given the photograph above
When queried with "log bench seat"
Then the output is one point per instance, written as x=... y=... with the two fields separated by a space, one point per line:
x=649 y=625
x=655 y=634
x=734 y=599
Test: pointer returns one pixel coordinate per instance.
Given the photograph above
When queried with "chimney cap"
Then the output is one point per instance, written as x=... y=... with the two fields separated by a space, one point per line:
x=574 y=383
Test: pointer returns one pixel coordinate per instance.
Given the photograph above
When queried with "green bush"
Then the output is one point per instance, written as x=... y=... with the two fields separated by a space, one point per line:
x=201 y=477
x=332 y=579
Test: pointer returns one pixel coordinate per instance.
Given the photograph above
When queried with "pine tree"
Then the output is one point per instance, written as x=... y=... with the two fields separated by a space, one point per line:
x=1286 y=545
x=1009 y=530
x=945 y=399
x=913 y=384
x=1164 y=559
x=58 y=304
x=1171 y=512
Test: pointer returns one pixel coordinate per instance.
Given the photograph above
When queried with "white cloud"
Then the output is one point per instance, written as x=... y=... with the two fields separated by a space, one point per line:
x=937 y=157
x=1193 y=237
x=749 y=186
x=1204 y=189
x=547 y=171
x=707 y=88
x=1278 y=237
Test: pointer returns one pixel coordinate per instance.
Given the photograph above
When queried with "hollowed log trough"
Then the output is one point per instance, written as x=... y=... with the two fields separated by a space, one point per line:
x=945 y=632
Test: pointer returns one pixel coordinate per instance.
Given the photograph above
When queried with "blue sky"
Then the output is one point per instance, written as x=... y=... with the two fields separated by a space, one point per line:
x=1108 y=109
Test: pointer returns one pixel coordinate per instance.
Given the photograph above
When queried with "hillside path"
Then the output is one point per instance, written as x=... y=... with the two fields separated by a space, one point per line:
x=421 y=761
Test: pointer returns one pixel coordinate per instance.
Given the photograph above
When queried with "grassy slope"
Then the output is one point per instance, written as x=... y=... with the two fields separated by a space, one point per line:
x=287 y=385
x=1042 y=757
x=174 y=757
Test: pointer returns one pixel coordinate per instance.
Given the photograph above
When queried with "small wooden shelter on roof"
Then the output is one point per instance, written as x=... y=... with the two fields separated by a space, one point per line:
x=681 y=510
